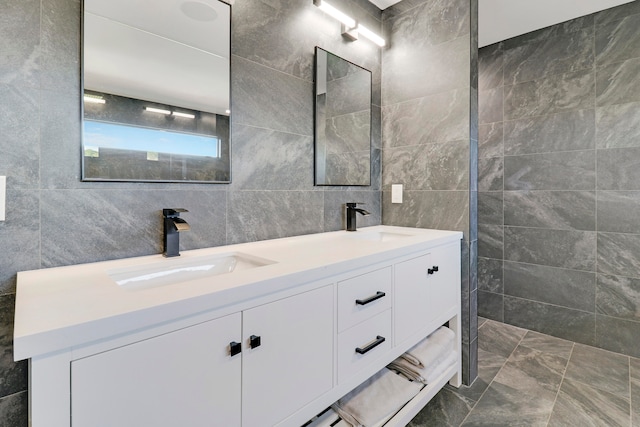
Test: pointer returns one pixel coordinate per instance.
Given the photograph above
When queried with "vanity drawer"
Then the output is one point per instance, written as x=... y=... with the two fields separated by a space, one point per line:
x=362 y=297
x=363 y=344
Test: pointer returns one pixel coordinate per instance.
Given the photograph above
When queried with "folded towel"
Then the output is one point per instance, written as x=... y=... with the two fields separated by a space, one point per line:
x=377 y=398
x=439 y=369
x=427 y=375
x=411 y=374
x=431 y=349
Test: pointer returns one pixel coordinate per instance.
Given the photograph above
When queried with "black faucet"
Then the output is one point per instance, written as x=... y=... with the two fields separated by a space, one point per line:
x=351 y=215
x=173 y=225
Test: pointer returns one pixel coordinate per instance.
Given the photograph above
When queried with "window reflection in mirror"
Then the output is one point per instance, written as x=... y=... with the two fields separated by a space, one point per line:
x=156 y=90
x=342 y=121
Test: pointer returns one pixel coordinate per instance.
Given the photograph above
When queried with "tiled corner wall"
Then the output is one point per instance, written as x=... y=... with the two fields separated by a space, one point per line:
x=54 y=219
x=429 y=132
x=559 y=180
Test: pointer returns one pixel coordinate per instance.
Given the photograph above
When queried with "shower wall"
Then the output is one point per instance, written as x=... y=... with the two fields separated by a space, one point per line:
x=559 y=180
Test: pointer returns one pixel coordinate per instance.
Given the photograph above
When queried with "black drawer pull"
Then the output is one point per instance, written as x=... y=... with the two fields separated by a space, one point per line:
x=432 y=270
x=379 y=340
x=366 y=301
x=234 y=348
x=254 y=341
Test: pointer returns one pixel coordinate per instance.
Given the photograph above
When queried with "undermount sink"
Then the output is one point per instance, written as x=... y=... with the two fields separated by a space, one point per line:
x=377 y=236
x=176 y=270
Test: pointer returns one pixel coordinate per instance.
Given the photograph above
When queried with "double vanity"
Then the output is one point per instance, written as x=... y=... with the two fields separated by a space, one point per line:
x=259 y=334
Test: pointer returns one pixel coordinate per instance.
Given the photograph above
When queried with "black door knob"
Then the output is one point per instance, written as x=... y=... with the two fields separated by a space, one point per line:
x=234 y=348
x=254 y=341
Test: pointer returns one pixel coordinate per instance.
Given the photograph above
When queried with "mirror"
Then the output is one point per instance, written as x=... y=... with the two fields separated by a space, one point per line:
x=156 y=79
x=342 y=121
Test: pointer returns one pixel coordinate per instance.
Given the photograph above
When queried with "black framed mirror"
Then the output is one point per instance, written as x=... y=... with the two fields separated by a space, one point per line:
x=342 y=121
x=156 y=85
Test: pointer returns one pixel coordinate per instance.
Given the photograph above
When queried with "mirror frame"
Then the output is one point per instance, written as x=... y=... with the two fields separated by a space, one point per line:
x=316 y=133
x=229 y=4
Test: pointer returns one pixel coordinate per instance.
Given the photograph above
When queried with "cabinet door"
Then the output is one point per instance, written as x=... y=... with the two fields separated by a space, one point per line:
x=293 y=363
x=444 y=284
x=425 y=287
x=183 y=378
x=411 y=297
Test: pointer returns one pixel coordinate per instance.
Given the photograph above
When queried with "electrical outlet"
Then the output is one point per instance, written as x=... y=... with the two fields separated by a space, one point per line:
x=396 y=193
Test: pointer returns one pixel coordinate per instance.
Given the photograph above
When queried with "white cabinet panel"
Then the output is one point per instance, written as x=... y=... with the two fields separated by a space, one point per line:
x=366 y=334
x=294 y=362
x=411 y=294
x=184 y=378
x=444 y=288
x=424 y=288
x=362 y=297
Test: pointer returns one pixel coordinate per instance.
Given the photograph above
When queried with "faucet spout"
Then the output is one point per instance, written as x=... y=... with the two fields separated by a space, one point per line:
x=351 y=215
x=173 y=225
x=181 y=225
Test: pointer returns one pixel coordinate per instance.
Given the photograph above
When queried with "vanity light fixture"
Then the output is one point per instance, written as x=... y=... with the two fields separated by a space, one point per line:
x=370 y=35
x=185 y=115
x=94 y=99
x=335 y=13
x=157 y=110
x=350 y=27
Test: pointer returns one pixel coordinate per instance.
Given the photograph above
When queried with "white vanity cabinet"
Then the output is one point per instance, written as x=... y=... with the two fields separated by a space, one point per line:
x=273 y=346
x=190 y=378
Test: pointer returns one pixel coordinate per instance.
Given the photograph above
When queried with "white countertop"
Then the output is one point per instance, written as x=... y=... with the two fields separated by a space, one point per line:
x=59 y=308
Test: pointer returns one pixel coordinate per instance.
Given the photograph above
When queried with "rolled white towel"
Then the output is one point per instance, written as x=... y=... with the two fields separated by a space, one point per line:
x=431 y=349
x=377 y=398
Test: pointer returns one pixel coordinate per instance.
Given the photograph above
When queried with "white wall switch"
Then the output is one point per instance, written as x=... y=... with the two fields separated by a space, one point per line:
x=3 y=196
x=396 y=193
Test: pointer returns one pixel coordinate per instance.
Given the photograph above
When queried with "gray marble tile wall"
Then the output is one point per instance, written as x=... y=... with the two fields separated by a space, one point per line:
x=430 y=133
x=55 y=219
x=559 y=187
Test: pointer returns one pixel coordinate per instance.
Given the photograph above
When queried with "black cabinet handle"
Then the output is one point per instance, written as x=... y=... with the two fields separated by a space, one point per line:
x=234 y=348
x=366 y=301
x=254 y=341
x=432 y=270
x=379 y=340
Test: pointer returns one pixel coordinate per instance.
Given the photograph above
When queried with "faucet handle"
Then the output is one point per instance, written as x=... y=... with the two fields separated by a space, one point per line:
x=353 y=204
x=173 y=212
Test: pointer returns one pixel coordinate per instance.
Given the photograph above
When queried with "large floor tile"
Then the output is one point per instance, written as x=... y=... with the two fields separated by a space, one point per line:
x=547 y=344
x=446 y=409
x=581 y=405
x=635 y=392
x=533 y=372
x=599 y=369
x=506 y=406
x=499 y=338
x=635 y=402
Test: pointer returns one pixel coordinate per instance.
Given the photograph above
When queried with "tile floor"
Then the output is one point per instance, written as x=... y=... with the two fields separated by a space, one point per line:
x=530 y=379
